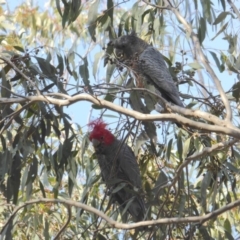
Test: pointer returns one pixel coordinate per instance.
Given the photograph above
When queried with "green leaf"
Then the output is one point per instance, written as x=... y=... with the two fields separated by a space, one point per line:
x=182 y=199
x=19 y=48
x=161 y=180
x=110 y=116
x=195 y=65
x=42 y=189
x=6 y=87
x=75 y=10
x=16 y=139
x=232 y=168
x=205 y=184
x=83 y=70
x=202 y=30
x=220 y=31
x=119 y=187
x=48 y=69
x=96 y=63
x=43 y=130
x=16 y=176
x=227 y=225
x=59 y=7
x=221 y=17
x=127 y=205
x=67 y=126
x=46 y=229
x=136 y=103
x=3 y=142
x=104 y=21
x=93 y=11
x=92 y=31
x=236 y=91
x=92 y=17
x=206 y=9
x=169 y=149
x=180 y=145
x=66 y=13
x=223 y=4
x=32 y=174
x=57 y=131
x=60 y=64
x=150 y=129
x=110 y=9
x=47 y=87
x=214 y=55
x=101 y=237
x=110 y=69
x=186 y=145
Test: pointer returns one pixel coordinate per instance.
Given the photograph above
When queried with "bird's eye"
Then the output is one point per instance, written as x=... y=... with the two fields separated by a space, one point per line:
x=120 y=55
x=101 y=137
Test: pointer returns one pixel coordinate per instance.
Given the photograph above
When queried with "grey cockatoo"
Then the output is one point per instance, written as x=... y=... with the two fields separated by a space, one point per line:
x=147 y=64
x=118 y=166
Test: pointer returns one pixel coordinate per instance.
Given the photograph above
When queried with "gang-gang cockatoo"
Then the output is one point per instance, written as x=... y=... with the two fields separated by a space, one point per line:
x=147 y=64
x=118 y=165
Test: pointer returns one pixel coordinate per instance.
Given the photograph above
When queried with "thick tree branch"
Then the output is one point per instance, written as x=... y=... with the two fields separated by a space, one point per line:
x=115 y=224
x=224 y=129
x=184 y=111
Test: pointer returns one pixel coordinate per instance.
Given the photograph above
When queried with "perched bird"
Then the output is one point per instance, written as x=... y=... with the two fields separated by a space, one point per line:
x=118 y=166
x=147 y=64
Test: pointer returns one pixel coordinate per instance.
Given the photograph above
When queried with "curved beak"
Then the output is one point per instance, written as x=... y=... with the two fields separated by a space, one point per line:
x=95 y=142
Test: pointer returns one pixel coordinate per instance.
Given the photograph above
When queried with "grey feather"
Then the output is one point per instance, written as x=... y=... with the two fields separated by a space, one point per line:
x=153 y=66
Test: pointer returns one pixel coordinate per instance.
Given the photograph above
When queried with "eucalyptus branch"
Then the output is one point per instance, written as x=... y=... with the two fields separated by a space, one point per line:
x=114 y=224
x=220 y=127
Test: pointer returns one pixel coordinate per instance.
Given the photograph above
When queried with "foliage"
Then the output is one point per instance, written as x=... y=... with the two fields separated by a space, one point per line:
x=53 y=53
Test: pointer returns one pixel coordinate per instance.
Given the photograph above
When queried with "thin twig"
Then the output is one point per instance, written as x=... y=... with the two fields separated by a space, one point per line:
x=234 y=8
x=66 y=224
x=114 y=224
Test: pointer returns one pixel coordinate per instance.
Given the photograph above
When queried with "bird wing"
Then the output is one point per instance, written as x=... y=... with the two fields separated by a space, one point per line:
x=129 y=171
x=128 y=167
x=153 y=66
x=105 y=166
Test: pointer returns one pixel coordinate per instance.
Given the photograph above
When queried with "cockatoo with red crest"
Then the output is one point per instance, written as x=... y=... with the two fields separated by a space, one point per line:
x=118 y=166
